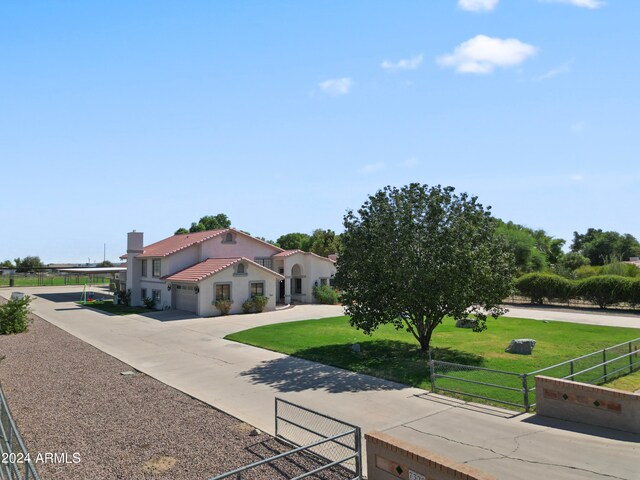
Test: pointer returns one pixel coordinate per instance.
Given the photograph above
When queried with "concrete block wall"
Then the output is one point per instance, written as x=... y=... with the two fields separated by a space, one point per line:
x=590 y=404
x=391 y=459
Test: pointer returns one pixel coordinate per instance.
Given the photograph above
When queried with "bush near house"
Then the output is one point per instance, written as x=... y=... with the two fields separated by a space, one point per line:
x=14 y=315
x=149 y=303
x=255 y=304
x=224 y=306
x=325 y=294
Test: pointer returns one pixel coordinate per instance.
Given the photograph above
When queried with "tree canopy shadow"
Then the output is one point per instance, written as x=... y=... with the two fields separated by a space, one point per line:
x=292 y=374
x=393 y=364
x=451 y=355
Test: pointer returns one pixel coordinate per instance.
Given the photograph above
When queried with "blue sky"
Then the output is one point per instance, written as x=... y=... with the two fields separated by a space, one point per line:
x=148 y=115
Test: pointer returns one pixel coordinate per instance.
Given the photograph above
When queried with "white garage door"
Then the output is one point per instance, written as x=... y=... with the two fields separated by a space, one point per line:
x=186 y=298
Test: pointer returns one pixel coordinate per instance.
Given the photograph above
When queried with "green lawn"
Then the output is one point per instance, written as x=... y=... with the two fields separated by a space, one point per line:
x=395 y=355
x=116 y=309
x=630 y=383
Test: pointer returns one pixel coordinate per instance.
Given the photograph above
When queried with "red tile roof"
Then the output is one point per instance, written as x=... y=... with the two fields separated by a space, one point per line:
x=287 y=253
x=209 y=267
x=179 y=242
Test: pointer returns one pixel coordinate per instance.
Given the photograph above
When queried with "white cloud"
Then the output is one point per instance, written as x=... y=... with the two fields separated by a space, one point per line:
x=577 y=177
x=402 y=64
x=373 y=167
x=477 y=5
x=592 y=4
x=336 y=86
x=482 y=54
x=554 y=72
x=410 y=162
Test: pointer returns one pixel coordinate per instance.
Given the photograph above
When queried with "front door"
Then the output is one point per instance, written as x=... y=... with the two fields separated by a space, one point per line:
x=281 y=291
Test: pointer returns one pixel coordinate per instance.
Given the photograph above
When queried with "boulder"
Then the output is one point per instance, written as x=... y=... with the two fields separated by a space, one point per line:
x=355 y=348
x=466 y=323
x=521 y=346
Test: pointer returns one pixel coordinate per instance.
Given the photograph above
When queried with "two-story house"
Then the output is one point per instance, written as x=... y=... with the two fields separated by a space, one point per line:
x=191 y=271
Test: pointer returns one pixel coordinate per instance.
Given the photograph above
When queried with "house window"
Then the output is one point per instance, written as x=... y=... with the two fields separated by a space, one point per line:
x=228 y=238
x=265 y=262
x=144 y=268
x=143 y=293
x=297 y=285
x=156 y=296
x=323 y=281
x=241 y=269
x=223 y=291
x=155 y=267
x=256 y=289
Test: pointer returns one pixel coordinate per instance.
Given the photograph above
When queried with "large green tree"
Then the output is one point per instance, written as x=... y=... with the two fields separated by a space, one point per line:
x=602 y=247
x=534 y=250
x=413 y=255
x=294 y=241
x=28 y=263
x=208 y=222
x=324 y=242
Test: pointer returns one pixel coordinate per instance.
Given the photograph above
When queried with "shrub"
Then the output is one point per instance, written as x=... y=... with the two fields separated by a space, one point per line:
x=573 y=261
x=259 y=302
x=633 y=292
x=620 y=268
x=587 y=271
x=124 y=297
x=604 y=290
x=538 y=286
x=150 y=303
x=14 y=315
x=325 y=294
x=255 y=304
x=224 y=306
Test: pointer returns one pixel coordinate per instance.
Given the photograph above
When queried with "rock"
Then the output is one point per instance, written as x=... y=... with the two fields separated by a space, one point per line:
x=466 y=323
x=355 y=348
x=255 y=432
x=521 y=346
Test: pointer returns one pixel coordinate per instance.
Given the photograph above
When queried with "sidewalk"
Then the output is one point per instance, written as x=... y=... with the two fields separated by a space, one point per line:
x=191 y=355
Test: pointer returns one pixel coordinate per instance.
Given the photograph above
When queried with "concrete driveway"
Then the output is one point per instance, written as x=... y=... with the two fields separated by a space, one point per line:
x=191 y=355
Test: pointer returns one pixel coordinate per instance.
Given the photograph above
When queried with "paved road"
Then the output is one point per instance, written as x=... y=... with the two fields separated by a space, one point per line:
x=191 y=355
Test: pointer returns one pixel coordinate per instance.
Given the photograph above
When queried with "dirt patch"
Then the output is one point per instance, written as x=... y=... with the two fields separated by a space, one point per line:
x=69 y=397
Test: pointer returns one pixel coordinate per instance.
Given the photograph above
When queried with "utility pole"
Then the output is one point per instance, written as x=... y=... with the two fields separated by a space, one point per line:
x=104 y=253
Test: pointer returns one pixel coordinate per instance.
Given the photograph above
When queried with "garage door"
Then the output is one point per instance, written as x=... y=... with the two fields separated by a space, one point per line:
x=186 y=298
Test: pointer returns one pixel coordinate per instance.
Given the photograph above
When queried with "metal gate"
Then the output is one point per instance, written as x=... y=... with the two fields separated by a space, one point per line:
x=335 y=445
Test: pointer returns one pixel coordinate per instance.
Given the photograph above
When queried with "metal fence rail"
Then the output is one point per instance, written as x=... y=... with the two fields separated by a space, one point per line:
x=518 y=389
x=597 y=367
x=332 y=443
x=15 y=463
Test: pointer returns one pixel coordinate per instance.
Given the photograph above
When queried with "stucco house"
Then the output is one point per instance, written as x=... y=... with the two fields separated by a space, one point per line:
x=191 y=271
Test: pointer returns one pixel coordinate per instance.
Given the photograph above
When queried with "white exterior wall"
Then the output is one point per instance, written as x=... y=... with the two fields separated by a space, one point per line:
x=242 y=247
x=313 y=269
x=239 y=289
x=178 y=261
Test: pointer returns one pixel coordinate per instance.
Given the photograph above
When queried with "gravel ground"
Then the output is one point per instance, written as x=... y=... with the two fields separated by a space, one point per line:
x=68 y=396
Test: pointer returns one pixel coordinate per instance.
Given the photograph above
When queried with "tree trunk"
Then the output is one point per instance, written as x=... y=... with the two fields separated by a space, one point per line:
x=425 y=339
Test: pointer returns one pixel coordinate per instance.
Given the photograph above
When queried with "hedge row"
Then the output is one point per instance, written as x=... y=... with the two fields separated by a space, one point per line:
x=602 y=290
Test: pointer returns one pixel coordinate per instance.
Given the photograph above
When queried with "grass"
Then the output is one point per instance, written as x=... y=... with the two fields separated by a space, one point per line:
x=51 y=280
x=115 y=309
x=630 y=383
x=395 y=355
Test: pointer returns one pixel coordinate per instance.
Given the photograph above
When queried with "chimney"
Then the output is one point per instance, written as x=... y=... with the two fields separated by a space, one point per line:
x=135 y=242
